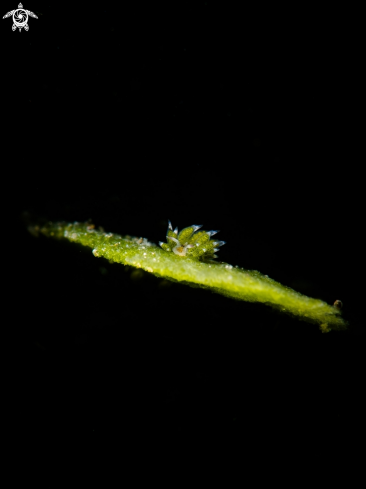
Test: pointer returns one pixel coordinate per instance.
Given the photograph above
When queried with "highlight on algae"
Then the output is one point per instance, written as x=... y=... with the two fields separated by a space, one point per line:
x=189 y=256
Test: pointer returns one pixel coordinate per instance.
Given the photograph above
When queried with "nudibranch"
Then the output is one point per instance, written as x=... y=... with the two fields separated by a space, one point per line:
x=191 y=243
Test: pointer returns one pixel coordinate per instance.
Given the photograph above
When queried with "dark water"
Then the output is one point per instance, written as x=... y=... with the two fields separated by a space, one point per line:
x=202 y=116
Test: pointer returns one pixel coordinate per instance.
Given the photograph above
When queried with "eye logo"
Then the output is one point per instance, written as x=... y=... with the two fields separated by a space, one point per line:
x=20 y=17
x=191 y=242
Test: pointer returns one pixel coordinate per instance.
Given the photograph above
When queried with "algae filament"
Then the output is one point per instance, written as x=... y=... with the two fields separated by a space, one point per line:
x=189 y=257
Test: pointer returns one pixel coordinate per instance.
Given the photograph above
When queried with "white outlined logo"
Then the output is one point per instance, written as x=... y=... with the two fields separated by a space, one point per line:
x=20 y=17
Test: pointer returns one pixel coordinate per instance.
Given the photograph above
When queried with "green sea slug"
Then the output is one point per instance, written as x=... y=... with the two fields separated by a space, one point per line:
x=191 y=242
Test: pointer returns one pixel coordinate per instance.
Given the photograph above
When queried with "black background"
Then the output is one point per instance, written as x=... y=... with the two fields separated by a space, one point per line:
x=243 y=120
